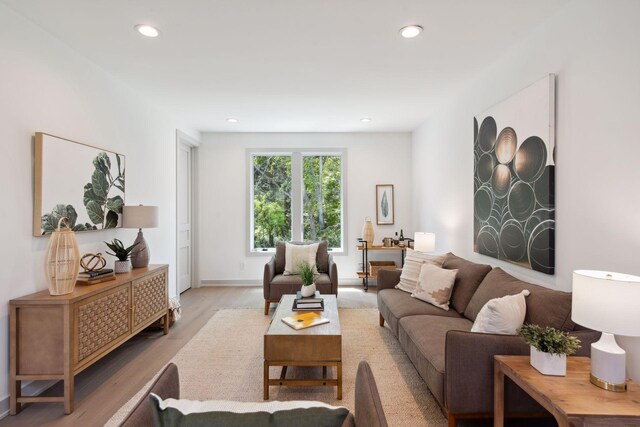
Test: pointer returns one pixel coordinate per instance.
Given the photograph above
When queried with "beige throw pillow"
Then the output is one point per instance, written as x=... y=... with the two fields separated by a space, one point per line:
x=294 y=255
x=411 y=269
x=504 y=315
x=435 y=285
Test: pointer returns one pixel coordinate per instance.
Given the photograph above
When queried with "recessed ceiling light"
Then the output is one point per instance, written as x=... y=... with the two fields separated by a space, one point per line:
x=366 y=120
x=410 y=31
x=232 y=120
x=147 y=30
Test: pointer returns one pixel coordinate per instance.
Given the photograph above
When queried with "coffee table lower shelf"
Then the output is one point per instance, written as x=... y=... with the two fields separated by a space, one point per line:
x=307 y=382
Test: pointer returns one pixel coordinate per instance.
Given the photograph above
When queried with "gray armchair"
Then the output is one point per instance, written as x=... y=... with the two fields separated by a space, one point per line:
x=275 y=284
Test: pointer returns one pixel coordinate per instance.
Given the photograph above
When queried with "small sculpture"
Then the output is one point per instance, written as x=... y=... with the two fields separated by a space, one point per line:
x=92 y=262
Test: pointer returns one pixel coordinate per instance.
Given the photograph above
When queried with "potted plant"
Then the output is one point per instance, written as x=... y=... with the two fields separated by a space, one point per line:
x=549 y=348
x=123 y=254
x=307 y=273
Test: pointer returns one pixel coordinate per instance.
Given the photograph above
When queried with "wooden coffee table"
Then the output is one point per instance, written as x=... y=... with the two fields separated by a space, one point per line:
x=315 y=346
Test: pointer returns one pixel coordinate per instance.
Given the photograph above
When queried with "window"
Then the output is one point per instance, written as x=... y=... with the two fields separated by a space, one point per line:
x=296 y=196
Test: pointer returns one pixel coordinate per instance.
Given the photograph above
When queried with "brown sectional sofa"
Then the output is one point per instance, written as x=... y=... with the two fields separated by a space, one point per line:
x=457 y=364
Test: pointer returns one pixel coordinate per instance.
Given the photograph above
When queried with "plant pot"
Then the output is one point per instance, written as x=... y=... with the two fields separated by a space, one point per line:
x=549 y=364
x=122 y=267
x=308 y=291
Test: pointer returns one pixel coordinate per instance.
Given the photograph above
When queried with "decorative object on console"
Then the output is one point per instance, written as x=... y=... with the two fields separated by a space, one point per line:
x=424 y=242
x=63 y=260
x=607 y=302
x=307 y=272
x=514 y=205
x=549 y=348
x=123 y=254
x=140 y=217
x=90 y=194
x=384 y=204
x=92 y=262
x=367 y=231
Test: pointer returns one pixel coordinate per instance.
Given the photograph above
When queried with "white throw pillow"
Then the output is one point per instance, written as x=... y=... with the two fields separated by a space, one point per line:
x=435 y=285
x=295 y=255
x=504 y=315
x=411 y=269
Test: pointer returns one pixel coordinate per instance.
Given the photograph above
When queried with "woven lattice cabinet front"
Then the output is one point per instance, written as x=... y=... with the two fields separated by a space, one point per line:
x=62 y=263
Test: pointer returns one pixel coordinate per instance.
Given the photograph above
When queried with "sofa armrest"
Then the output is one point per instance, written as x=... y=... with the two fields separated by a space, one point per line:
x=368 y=407
x=269 y=274
x=167 y=385
x=333 y=275
x=469 y=368
x=388 y=279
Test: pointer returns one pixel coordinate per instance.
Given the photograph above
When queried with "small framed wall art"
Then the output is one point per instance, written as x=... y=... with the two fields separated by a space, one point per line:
x=384 y=204
x=82 y=183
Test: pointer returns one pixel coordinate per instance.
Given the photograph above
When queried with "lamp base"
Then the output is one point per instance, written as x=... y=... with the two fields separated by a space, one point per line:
x=140 y=253
x=608 y=360
x=607 y=385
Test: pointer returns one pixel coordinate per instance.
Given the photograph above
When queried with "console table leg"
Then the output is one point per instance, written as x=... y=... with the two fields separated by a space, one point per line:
x=165 y=329
x=15 y=392
x=498 y=396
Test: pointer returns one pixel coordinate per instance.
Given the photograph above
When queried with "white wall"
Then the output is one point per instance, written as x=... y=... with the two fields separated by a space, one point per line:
x=380 y=158
x=592 y=47
x=45 y=86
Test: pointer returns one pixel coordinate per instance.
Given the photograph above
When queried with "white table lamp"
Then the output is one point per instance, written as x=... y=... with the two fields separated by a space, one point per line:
x=424 y=242
x=607 y=302
x=140 y=217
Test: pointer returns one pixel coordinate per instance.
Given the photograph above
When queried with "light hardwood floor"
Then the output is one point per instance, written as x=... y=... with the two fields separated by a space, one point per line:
x=104 y=387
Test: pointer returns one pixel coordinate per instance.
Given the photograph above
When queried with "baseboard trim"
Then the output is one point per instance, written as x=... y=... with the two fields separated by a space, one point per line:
x=32 y=388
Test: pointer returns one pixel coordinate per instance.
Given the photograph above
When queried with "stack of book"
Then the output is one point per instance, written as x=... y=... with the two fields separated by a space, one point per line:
x=314 y=303
x=98 y=276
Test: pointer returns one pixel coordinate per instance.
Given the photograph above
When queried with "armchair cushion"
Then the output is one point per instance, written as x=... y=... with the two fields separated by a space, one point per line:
x=322 y=256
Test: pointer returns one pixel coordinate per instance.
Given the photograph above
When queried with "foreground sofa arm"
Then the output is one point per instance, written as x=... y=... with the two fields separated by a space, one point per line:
x=167 y=385
x=469 y=370
x=388 y=279
x=368 y=408
x=333 y=275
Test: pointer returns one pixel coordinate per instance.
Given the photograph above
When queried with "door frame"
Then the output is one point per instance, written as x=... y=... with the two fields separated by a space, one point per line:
x=184 y=139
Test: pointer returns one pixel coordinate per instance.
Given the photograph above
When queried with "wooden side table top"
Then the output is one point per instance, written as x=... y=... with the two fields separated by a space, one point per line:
x=571 y=396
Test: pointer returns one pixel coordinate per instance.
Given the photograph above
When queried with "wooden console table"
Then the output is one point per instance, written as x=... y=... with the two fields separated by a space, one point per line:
x=56 y=337
x=572 y=399
x=364 y=246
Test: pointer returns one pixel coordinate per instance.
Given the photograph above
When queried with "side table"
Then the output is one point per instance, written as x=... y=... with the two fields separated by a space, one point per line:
x=572 y=399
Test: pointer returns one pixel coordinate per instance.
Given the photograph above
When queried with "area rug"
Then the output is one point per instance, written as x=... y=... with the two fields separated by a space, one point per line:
x=224 y=361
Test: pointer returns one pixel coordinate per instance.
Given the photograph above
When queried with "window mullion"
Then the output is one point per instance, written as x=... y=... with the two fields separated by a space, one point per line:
x=296 y=196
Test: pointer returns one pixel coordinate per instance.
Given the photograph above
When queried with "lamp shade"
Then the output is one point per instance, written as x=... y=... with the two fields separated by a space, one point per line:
x=606 y=302
x=140 y=216
x=424 y=242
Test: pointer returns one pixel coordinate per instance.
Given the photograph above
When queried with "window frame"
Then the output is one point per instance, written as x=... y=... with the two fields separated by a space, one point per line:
x=297 y=192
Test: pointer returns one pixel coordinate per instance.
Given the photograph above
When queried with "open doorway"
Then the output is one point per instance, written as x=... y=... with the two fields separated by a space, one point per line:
x=186 y=212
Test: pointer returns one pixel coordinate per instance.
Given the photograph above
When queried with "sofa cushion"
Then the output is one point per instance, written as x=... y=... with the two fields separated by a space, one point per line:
x=281 y=285
x=395 y=304
x=469 y=277
x=504 y=315
x=435 y=285
x=411 y=268
x=174 y=412
x=423 y=338
x=545 y=307
x=322 y=256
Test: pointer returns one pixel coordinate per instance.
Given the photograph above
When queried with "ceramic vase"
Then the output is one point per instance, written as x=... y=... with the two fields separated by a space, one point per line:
x=367 y=231
x=122 y=267
x=549 y=364
x=308 y=291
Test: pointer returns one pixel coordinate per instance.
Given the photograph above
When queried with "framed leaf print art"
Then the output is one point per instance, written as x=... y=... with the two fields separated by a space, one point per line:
x=384 y=204
x=83 y=183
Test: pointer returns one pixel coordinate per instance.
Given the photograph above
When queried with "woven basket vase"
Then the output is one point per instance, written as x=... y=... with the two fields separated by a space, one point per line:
x=367 y=231
x=62 y=263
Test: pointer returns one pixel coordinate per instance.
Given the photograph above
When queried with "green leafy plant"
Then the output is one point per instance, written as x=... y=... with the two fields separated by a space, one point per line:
x=549 y=340
x=101 y=208
x=119 y=251
x=306 y=273
x=49 y=222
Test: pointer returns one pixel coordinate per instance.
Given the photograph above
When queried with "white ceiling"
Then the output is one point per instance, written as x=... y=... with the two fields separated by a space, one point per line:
x=292 y=65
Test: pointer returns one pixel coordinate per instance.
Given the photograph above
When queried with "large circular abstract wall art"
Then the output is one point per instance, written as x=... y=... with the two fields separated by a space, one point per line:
x=514 y=166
